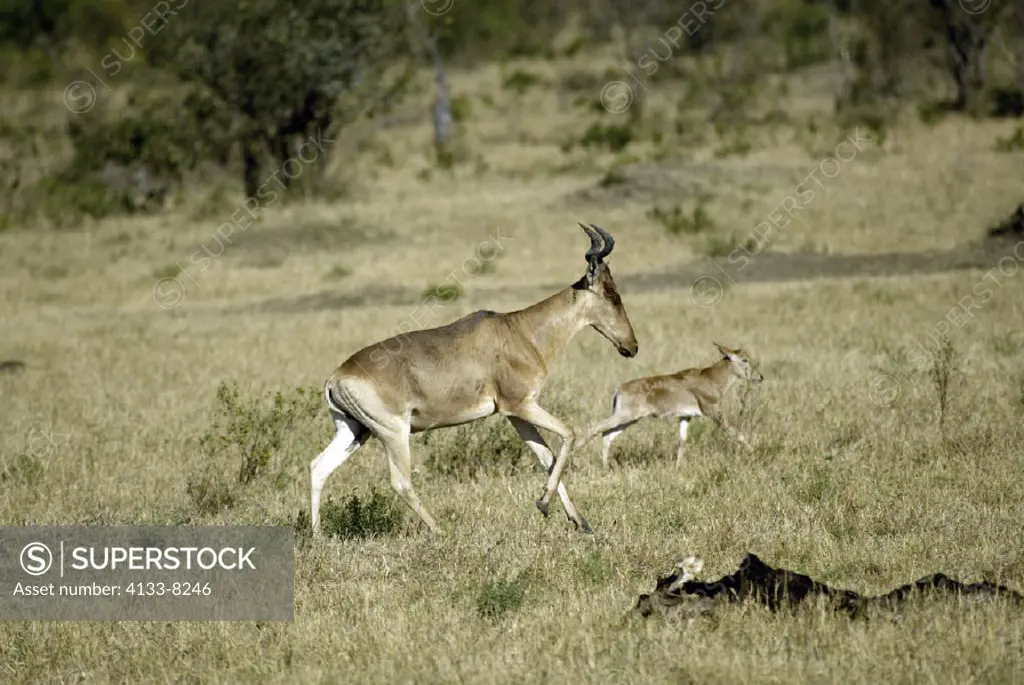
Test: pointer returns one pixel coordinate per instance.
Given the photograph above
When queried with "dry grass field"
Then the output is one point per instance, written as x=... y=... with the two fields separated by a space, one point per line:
x=847 y=482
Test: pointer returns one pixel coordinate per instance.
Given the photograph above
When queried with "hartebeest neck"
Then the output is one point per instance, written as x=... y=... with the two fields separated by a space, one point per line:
x=721 y=374
x=550 y=324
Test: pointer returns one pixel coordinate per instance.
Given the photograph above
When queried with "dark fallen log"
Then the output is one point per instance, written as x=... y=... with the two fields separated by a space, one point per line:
x=781 y=588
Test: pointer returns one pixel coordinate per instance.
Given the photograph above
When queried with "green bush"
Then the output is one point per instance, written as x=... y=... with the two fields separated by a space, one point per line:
x=24 y=470
x=497 y=598
x=211 y=495
x=154 y=136
x=615 y=137
x=499 y=28
x=377 y=516
x=65 y=198
x=484 y=447
x=678 y=222
x=521 y=81
x=1011 y=143
x=803 y=29
x=254 y=430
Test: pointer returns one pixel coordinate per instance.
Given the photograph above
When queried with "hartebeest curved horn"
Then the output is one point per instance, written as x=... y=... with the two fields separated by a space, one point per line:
x=609 y=241
x=596 y=243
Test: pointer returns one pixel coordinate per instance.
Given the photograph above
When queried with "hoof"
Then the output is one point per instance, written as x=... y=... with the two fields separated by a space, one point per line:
x=543 y=508
x=583 y=527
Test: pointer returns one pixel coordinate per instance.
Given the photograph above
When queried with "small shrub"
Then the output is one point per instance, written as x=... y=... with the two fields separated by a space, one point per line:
x=1011 y=143
x=444 y=292
x=445 y=157
x=377 y=516
x=575 y=46
x=737 y=144
x=255 y=429
x=581 y=80
x=944 y=370
x=1007 y=102
x=615 y=137
x=805 y=35
x=66 y=199
x=1008 y=344
x=521 y=81
x=497 y=598
x=210 y=494
x=677 y=222
x=460 y=108
x=931 y=112
x=338 y=272
x=594 y=569
x=717 y=245
x=25 y=470
x=473 y=451
x=169 y=271
x=616 y=176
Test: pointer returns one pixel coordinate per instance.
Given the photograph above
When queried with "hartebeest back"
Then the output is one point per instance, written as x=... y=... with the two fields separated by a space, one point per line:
x=481 y=364
x=682 y=395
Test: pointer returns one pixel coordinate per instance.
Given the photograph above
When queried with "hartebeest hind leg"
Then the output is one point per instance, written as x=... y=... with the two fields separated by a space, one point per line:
x=684 y=424
x=611 y=428
x=535 y=441
x=396 y=444
x=349 y=437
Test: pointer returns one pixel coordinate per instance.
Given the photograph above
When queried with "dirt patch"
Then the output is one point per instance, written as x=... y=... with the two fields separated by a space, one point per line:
x=330 y=300
x=311 y=236
x=709 y=277
x=744 y=267
x=777 y=588
x=653 y=183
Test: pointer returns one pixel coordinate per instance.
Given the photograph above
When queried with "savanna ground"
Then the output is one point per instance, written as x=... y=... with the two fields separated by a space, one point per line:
x=843 y=485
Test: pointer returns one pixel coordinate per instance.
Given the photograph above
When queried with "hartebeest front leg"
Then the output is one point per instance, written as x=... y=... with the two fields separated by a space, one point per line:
x=537 y=416
x=720 y=421
x=535 y=441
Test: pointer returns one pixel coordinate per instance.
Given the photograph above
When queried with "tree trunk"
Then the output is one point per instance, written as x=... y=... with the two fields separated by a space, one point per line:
x=251 y=163
x=441 y=112
x=284 y=149
x=967 y=41
x=968 y=55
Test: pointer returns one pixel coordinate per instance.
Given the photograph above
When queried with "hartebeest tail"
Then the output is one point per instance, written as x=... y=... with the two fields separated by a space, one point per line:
x=482 y=364
x=683 y=395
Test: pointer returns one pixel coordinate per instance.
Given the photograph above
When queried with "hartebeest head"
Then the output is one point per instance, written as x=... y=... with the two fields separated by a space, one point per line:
x=741 y=364
x=602 y=306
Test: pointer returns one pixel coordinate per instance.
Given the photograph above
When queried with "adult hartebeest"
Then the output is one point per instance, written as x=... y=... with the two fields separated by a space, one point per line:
x=483 y=363
x=682 y=395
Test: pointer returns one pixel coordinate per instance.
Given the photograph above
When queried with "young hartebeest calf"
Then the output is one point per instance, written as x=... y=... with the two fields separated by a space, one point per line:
x=683 y=395
x=484 y=363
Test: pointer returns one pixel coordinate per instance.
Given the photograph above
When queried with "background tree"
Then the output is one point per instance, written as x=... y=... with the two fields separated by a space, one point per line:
x=288 y=72
x=967 y=39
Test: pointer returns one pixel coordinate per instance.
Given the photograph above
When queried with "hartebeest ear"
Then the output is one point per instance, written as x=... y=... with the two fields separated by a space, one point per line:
x=726 y=352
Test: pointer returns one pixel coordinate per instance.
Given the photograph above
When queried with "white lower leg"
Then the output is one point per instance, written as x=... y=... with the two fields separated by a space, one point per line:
x=606 y=445
x=684 y=424
x=340 y=449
